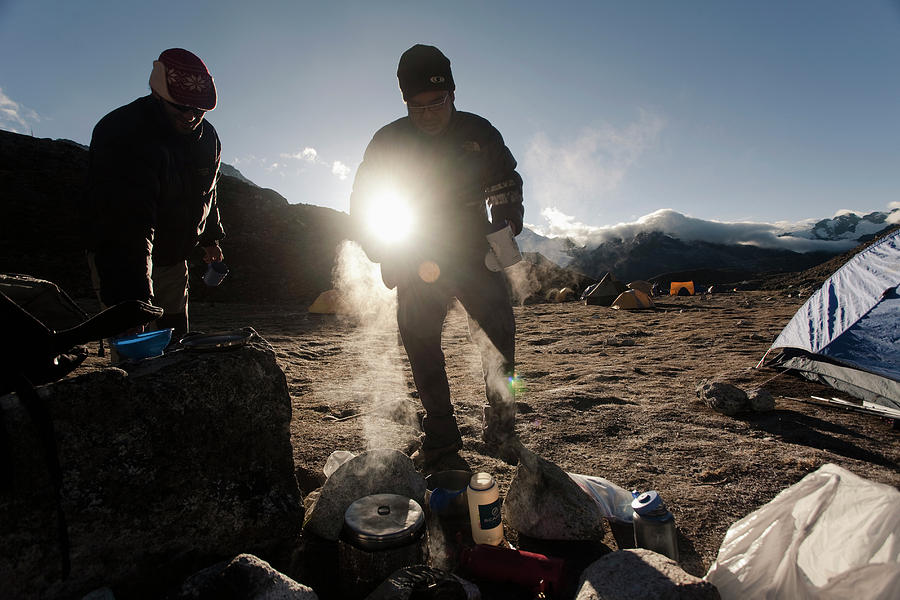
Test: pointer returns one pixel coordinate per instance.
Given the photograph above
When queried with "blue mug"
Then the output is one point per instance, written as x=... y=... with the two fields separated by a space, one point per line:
x=215 y=273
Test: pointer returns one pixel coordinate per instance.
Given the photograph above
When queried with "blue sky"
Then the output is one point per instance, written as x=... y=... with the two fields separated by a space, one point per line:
x=725 y=111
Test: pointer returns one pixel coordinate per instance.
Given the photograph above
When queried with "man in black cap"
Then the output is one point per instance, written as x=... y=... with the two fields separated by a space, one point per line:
x=449 y=169
x=151 y=195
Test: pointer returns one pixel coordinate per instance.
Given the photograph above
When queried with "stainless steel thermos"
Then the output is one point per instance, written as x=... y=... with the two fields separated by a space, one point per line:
x=654 y=525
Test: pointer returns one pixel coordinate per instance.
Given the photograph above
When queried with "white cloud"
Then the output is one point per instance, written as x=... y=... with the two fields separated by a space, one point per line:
x=15 y=117
x=589 y=168
x=340 y=169
x=311 y=155
x=894 y=217
x=685 y=228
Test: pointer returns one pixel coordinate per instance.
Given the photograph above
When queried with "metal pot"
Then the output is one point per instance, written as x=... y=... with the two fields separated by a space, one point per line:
x=382 y=533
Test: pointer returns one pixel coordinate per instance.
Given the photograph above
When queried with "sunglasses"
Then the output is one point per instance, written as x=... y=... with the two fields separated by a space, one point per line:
x=433 y=107
x=184 y=109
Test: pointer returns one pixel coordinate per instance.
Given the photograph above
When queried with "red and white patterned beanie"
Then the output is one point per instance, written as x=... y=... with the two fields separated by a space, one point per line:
x=181 y=77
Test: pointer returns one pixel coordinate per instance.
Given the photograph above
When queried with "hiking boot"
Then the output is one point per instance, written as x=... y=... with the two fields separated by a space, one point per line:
x=428 y=459
x=499 y=435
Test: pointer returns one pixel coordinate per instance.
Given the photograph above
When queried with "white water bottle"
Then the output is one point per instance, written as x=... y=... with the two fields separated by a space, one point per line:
x=484 y=509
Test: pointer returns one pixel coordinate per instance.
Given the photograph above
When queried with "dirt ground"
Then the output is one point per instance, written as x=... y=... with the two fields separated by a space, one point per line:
x=606 y=392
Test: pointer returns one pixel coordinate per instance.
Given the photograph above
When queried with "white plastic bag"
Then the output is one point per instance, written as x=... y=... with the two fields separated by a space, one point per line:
x=614 y=501
x=335 y=460
x=831 y=535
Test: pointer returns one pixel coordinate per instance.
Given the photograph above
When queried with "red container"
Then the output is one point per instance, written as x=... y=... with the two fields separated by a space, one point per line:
x=504 y=565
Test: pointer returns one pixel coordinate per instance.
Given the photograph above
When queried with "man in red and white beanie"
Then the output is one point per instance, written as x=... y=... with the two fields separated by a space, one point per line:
x=151 y=197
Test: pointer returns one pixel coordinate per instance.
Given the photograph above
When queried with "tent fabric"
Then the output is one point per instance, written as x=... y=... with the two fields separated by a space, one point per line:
x=675 y=289
x=641 y=286
x=853 y=321
x=604 y=292
x=633 y=300
x=565 y=295
x=329 y=302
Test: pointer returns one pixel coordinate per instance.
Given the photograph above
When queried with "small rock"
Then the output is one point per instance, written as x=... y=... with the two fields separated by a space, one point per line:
x=761 y=400
x=544 y=503
x=380 y=471
x=723 y=397
x=640 y=573
x=245 y=577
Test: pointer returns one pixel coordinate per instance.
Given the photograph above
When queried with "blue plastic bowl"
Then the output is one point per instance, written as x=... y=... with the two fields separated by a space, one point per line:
x=142 y=345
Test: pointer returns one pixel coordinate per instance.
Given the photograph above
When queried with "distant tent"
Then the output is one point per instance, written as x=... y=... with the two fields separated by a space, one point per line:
x=566 y=294
x=681 y=288
x=603 y=293
x=633 y=300
x=847 y=334
x=329 y=302
x=641 y=286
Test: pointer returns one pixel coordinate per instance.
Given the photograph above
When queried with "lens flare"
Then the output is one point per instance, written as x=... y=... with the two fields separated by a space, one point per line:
x=515 y=384
x=390 y=218
x=429 y=271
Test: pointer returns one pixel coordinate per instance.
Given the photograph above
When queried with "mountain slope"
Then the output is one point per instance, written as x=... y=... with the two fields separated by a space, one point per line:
x=647 y=255
x=277 y=252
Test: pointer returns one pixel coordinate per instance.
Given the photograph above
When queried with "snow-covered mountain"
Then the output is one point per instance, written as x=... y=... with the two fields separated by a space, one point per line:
x=669 y=242
x=849 y=226
x=557 y=250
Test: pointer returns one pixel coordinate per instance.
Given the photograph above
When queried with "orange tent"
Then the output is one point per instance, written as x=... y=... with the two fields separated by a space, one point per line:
x=677 y=286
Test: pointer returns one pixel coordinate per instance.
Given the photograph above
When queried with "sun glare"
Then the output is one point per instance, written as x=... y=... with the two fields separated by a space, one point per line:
x=390 y=218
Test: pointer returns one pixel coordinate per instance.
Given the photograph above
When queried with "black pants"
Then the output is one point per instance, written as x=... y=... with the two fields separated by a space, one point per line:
x=421 y=310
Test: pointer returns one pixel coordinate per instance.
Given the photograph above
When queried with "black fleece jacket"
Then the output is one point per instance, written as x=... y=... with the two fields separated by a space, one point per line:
x=151 y=193
x=448 y=178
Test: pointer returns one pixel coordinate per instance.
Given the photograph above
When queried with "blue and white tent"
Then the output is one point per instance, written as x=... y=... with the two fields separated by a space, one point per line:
x=848 y=333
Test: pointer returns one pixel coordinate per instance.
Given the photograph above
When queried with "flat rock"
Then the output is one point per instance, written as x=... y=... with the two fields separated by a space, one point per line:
x=164 y=468
x=640 y=573
x=544 y=503
x=379 y=471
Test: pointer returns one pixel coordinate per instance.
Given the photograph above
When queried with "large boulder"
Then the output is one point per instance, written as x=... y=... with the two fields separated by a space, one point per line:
x=164 y=466
x=544 y=503
x=640 y=573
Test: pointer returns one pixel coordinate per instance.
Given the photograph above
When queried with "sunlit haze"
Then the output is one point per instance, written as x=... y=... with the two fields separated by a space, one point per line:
x=731 y=117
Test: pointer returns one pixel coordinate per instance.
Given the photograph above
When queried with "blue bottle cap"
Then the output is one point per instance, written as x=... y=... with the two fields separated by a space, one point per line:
x=647 y=503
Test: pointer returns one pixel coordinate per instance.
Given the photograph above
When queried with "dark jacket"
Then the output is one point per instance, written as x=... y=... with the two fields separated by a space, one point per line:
x=151 y=192
x=449 y=179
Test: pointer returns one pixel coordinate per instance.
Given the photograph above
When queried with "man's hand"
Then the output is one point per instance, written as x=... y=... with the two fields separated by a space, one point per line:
x=213 y=254
x=133 y=331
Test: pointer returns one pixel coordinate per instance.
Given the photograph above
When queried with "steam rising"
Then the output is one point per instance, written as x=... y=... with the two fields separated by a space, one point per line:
x=378 y=386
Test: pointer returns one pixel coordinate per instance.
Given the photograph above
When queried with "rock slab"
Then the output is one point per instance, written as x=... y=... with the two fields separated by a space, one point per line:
x=167 y=465
x=640 y=573
x=544 y=503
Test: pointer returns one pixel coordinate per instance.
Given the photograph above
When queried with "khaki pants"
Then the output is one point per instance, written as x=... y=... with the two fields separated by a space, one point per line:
x=169 y=285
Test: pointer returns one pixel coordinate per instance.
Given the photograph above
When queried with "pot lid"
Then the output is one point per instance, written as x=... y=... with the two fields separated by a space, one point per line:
x=383 y=520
